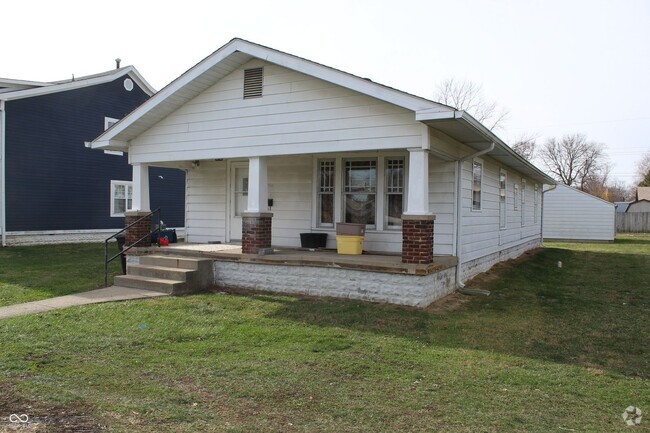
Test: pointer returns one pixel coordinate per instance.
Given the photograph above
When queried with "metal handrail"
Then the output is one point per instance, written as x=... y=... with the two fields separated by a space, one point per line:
x=128 y=247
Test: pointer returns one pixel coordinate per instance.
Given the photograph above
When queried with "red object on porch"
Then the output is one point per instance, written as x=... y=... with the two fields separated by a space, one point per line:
x=417 y=239
x=256 y=231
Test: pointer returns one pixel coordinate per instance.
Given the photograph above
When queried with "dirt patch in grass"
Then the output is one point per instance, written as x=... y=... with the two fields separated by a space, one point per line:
x=41 y=416
x=497 y=271
x=451 y=302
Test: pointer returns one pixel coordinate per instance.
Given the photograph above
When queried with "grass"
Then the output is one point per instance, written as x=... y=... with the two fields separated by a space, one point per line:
x=552 y=349
x=39 y=272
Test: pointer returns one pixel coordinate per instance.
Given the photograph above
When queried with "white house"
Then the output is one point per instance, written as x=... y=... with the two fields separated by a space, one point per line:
x=275 y=145
x=571 y=214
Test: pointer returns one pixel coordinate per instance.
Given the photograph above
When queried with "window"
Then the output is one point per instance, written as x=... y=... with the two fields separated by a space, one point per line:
x=121 y=197
x=516 y=195
x=108 y=122
x=503 y=181
x=253 y=82
x=394 y=192
x=477 y=176
x=523 y=202
x=536 y=200
x=359 y=191
x=326 y=177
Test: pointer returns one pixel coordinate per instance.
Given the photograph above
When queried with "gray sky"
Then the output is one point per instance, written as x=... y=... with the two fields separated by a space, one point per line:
x=559 y=67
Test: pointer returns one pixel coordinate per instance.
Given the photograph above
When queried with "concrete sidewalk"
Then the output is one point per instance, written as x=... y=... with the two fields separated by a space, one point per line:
x=108 y=294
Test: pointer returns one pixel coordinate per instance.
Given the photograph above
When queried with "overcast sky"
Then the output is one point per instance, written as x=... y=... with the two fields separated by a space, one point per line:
x=559 y=67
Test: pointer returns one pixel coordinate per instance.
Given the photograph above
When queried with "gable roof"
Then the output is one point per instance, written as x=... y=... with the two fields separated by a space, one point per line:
x=457 y=124
x=28 y=89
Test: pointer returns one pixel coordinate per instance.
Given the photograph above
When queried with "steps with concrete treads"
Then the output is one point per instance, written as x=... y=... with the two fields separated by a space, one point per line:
x=168 y=274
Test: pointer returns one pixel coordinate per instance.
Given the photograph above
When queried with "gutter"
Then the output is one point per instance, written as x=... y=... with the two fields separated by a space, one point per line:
x=459 y=176
x=3 y=165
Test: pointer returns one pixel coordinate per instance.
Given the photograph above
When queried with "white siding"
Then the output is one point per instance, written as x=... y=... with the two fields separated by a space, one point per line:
x=441 y=204
x=573 y=214
x=298 y=114
x=205 y=203
x=480 y=232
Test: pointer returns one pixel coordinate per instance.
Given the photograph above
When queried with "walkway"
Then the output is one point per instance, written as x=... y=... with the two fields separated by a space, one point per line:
x=108 y=294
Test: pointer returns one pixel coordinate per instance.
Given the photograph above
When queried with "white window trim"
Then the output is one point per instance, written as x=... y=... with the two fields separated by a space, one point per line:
x=108 y=122
x=515 y=195
x=471 y=188
x=523 y=202
x=536 y=203
x=505 y=204
x=114 y=183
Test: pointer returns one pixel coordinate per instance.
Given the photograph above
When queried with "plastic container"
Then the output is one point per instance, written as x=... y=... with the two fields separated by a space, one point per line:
x=349 y=229
x=313 y=240
x=349 y=244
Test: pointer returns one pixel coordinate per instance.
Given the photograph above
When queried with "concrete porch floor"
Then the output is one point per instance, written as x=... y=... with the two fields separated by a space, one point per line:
x=301 y=257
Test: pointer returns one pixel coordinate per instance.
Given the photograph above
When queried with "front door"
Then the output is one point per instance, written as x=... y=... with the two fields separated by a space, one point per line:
x=238 y=197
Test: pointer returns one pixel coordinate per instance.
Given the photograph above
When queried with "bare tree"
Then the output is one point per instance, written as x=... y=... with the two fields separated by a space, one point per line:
x=525 y=146
x=468 y=96
x=643 y=171
x=575 y=161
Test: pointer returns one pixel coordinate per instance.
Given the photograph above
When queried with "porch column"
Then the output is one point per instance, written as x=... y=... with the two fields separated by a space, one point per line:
x=256 y=221
x=417 y=221
x=140 y=208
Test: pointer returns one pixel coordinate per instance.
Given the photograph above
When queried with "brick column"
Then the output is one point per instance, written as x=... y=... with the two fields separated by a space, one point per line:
x=256 y=231
x=417 y=239
x=138 y=230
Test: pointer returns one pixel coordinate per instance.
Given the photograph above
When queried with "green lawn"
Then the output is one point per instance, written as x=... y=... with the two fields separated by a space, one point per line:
x=551 y=350
x=40 y=272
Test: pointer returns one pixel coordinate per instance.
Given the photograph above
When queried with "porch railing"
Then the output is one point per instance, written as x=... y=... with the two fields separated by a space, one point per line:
x=107 y=260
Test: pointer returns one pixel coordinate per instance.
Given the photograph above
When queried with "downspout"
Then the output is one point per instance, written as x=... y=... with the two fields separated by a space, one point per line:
x=459 y=201
x=3 y=177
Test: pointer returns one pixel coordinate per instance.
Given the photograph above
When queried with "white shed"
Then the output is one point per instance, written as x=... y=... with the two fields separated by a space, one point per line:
x=571 y=214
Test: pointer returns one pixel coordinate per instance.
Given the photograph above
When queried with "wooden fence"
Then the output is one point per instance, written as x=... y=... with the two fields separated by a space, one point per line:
x=633 y=222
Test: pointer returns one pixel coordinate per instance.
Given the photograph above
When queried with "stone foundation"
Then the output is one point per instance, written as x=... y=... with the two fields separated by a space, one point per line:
x=256 y=231
x=139 y=230
x=417 y=239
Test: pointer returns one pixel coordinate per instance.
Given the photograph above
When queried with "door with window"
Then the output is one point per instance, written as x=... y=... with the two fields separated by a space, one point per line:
x=238 y=198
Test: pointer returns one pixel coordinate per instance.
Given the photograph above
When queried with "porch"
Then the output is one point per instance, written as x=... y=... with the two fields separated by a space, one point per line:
x=370 y=277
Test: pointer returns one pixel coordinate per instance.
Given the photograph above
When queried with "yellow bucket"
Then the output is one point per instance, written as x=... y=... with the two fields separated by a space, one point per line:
x=349 y=244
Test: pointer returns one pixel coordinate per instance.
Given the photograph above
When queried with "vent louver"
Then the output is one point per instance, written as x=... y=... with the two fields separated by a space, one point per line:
x=253 y=83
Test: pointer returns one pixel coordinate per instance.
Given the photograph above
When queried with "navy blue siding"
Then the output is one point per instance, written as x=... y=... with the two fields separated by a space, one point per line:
x=54 y=182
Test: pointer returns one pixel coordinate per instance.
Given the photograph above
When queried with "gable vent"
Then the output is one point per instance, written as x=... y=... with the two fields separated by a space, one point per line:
x=253 y=83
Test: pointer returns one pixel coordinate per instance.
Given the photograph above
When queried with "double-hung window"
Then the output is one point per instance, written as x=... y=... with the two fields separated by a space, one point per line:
x=360 y=191
x=515 y=187
x=536 y=200
x=503 y=181
x=326 y=185
x=477 y=180
x=394 y=192
x=121 y=197
x=523 y=202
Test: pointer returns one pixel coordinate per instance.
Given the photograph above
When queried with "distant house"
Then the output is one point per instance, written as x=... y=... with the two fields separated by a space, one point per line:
x=642 y=205
x=571 y=214
x=53 y=188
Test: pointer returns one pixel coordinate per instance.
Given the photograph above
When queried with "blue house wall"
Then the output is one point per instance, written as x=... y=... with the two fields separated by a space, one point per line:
x=53 y=182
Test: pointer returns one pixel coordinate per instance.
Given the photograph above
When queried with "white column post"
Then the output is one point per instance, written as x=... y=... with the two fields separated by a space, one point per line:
x=140 y=197
x=418 y=183
x=258 y=190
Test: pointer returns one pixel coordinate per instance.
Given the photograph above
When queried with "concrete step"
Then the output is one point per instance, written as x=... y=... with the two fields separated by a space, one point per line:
x=172 y=287
x=175 y=262
x=165 y=273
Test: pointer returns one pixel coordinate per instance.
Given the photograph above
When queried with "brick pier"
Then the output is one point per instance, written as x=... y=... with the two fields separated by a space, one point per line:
x=256 y=231
x=417 y=239
x=142 y=228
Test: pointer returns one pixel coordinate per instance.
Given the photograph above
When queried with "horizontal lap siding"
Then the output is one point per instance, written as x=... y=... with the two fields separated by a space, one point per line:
x=441 y=203
x=481 y=234
x=296 y=114
x=571 y=214
x=206 y=203
x=290 y=187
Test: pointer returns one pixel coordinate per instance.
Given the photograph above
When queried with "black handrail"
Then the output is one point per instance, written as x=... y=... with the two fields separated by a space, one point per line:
x=128 y=247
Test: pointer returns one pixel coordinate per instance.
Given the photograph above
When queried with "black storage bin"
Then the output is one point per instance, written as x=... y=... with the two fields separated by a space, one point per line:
x=313 y=240
x=120 y=246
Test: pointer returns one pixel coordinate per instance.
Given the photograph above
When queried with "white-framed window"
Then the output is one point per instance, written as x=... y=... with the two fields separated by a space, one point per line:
x=503 y=182
x=393 y=192
x=360 y=191
x=536 y=202
x=121 y=197
x=515 y=188
x=108 y=122
x=326 y=192
x=477 y=183
x=523 y=202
